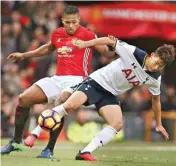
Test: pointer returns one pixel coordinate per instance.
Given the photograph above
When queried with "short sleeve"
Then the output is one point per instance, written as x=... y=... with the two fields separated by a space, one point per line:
x=91 y=35
x=123 y=48
x=155 y=89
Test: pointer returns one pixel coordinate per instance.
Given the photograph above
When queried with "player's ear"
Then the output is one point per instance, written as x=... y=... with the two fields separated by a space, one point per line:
x=62 y=20
x=152 y=54
x=79 y=19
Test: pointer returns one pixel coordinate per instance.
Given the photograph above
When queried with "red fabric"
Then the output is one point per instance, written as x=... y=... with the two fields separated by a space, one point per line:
x=133 y=19
x=70 y=59
x=24 y=20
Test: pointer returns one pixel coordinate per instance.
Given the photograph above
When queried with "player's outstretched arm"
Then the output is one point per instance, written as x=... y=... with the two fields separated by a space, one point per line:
x=156 y=106
x=94 y=42
x=41 y=51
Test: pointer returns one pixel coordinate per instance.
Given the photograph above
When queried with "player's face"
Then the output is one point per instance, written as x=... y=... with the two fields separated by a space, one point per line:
x=154 y=63
x=71 y=23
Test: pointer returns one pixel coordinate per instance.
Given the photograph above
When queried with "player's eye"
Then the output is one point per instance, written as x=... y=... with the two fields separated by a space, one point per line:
x=157 y=63
x=74 y=22
x=67 y=22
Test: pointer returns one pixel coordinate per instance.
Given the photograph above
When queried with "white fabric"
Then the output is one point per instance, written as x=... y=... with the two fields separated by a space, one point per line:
x=113 y=78
x=60 y=110
x=37 y=131
x=101 y=139
x=52 y=86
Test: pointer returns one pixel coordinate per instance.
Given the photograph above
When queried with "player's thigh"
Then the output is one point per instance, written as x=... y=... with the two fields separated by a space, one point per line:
x=112 y=114
x=51 y=87
x=76 y=100
x=32 y=95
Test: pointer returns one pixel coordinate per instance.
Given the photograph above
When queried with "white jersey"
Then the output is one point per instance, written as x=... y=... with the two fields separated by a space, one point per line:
x=127 y=72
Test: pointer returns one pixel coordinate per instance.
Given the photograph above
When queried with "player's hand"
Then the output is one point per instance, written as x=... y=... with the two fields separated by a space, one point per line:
x=112 y=37
x=161 y=129
x=78 y=43
x=16 y=56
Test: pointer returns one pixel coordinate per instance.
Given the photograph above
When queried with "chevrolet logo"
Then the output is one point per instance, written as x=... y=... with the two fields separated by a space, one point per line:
x=64 y=50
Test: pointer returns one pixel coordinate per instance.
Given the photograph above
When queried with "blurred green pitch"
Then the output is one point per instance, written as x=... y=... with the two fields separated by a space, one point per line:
x=113 y=154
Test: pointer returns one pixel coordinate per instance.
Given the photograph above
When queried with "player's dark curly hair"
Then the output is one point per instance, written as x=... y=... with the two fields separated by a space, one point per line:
x=167 y=53
x=70 y=9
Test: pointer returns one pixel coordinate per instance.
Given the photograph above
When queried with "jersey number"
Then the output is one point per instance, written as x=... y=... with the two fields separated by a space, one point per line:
x=130 y=77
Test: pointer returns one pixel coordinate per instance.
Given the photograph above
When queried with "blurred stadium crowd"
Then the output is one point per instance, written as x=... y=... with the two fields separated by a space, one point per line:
x=24 y=30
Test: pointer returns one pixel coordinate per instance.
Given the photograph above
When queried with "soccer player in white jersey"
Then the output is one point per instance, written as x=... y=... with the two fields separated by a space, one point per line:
x=134 y=67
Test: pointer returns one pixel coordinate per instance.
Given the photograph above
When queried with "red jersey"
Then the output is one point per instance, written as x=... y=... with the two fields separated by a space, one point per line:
x=70 y=59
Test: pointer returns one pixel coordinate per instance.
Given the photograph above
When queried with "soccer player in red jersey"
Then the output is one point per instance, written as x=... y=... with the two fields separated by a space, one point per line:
x=73 y=64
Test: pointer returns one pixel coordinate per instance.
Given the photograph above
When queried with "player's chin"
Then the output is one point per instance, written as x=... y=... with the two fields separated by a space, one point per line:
x=71 y=32
x=151 y=70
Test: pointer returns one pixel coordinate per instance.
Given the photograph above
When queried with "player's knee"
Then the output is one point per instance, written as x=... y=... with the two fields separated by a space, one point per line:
x=23 y=100
x=117 y=125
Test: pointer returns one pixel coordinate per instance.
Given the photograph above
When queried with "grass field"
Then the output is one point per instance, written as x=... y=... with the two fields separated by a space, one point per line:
x=115 y=154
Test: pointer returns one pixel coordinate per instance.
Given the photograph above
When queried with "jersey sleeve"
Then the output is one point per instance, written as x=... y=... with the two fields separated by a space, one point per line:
x=123 y=49
x=155 y=89
x=91 y=35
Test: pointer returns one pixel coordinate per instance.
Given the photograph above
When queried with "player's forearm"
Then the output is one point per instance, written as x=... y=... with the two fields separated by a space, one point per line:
x=156 y=106
x=99 y=41
x=41 y=51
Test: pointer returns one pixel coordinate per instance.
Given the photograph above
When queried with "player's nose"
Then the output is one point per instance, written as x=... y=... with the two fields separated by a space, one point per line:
x=71 y=25
x=155 y=68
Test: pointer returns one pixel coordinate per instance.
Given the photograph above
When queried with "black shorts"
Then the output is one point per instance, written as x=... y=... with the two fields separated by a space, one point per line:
x=96 y=94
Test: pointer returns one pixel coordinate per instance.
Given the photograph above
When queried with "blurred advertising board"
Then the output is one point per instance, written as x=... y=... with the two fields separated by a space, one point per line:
x=133 y=19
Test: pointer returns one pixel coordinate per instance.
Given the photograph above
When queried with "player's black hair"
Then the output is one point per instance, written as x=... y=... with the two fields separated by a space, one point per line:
x=70 y=9
x=167 y=53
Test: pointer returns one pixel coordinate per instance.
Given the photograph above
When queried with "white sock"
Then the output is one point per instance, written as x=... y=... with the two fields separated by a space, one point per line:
x=101 y=139
x=61 y=110
x=37 y=131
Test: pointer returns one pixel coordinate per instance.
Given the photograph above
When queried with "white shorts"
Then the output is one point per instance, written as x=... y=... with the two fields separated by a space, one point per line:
x=53 y=86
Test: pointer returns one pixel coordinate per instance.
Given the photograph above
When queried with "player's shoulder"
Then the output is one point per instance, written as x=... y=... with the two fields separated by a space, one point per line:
x=86 y=33
x=85 y=29
x=59 y=30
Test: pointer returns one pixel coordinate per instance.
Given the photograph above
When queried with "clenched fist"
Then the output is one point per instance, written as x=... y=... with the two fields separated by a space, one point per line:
x=16 y=56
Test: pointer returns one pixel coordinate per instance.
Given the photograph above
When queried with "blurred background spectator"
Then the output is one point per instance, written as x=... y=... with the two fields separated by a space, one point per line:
x=24 y=30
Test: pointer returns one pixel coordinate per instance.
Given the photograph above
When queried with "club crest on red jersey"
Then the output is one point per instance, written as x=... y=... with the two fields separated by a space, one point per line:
x=64 y=50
